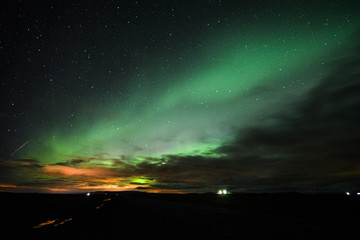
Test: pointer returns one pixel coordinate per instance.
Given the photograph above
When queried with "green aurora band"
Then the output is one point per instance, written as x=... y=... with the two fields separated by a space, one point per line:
x=194 y=109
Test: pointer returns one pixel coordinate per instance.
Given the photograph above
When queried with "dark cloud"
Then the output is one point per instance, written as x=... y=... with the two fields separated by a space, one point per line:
x=6 y=171
x=30 y=163
x=313 y=144
x=72 y=162
x=18 y=167
x=19 y=172
x=189 y=172
x=121 y=164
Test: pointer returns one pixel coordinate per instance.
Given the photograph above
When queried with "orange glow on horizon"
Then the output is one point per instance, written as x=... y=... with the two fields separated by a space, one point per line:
x=85 y=188
x=171 y=191
x=8 y=186
x=65 y=171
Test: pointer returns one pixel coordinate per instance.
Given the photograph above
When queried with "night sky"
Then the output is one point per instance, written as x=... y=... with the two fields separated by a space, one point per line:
x=179 y=96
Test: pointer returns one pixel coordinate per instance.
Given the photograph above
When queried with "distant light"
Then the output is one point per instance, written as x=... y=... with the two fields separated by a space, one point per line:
x=348 y=193
x=222 y=192
x=88 y=194
x=358 y=193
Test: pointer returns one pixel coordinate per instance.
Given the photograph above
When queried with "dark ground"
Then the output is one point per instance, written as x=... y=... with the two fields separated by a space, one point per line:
x=158 y=216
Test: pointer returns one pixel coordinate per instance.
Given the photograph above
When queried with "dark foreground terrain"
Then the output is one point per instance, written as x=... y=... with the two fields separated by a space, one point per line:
x=158 y=216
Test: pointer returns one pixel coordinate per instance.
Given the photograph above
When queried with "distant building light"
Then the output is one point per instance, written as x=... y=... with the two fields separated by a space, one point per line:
x=88 y=194
x=358 y=193
x=223 y=192
x=348 y=193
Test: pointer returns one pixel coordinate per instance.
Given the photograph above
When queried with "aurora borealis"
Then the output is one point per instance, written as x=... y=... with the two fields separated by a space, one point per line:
x=179 y=96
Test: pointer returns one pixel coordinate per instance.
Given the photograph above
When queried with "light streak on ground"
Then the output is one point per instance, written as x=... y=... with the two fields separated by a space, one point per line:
x=61 y=223
x=45 y=223
x=100 y=206
x=50 y=222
